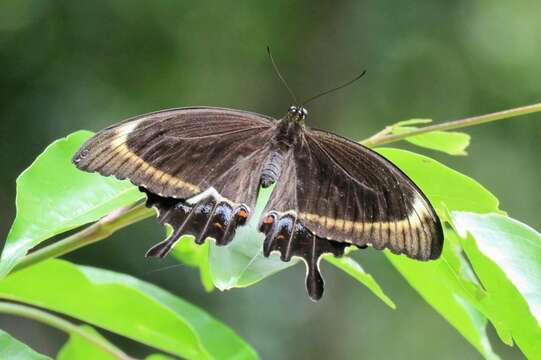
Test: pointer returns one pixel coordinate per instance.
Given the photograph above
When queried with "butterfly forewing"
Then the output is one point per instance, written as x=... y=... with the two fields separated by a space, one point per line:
x=348 y=193
x=180 y=153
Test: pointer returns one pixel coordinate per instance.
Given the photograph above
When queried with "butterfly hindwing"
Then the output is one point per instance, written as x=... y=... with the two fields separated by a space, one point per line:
x=208 y=215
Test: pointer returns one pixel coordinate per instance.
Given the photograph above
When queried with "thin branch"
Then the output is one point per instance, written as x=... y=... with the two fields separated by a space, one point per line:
x=101 y=229
x=63 y=325
x=384 y=137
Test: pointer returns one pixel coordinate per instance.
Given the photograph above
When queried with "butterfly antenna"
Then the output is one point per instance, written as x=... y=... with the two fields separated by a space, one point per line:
x=334 y=89
x=281 y=77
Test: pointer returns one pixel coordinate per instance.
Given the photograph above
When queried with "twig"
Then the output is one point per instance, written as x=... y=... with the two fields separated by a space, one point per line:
x=63 y=325
x=101 y=229
x=383 y=137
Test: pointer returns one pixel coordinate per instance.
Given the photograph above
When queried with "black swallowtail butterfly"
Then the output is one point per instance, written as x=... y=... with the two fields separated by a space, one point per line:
x=202 y=167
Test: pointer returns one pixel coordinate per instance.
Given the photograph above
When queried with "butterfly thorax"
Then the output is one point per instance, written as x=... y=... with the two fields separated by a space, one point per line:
x=291 y=126
x=289 y=131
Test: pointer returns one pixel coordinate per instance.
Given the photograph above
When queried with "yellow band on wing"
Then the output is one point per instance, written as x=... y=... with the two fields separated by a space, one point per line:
x=400 y=233
x=120 y=147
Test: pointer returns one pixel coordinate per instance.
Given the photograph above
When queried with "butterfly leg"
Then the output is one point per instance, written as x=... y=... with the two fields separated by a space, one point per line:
x=287 y=235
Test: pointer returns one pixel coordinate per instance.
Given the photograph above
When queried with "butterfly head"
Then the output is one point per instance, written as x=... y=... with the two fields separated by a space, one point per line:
x=297 y=113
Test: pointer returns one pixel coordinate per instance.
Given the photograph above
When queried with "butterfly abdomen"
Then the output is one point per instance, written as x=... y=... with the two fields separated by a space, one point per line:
x=272 y=169
x=287 y=135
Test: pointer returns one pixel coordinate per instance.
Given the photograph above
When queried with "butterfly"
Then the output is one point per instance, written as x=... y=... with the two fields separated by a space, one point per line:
x=202 y=167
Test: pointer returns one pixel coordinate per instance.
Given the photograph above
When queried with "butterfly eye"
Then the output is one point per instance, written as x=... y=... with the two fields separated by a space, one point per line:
x=303 y=112
x=292 y=109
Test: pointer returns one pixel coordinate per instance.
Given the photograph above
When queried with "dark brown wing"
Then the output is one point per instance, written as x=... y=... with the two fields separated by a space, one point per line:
x=181 y=152
x=333 y=192
x=348 y=193
x=286 y=233
x=200 y=167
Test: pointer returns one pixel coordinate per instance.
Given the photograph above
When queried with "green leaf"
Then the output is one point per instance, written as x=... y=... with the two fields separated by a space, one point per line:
x=241 y=263
x=53 y=196
x=506 y=256
x=354 y=269
x=79 y=348
x=450 y=142
x=194 y=255
x=126 y=306
x=159 y=357
x=444 y=187
x=13 y=349
x=447 y=284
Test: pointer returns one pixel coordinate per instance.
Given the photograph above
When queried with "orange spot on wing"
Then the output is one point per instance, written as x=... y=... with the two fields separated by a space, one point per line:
x=243 y=213
x=268 y=220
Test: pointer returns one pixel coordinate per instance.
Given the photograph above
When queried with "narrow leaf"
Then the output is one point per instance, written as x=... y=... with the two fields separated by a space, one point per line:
x=79 y=348
x=194 y=255
x=159 y=357
x=450 y=142
x=13 y=349
x=447 y=285
x=506 y=256
x=446 y=188
x=353 y=268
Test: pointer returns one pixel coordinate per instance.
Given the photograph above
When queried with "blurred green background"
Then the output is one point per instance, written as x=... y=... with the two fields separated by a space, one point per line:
x=68 y=65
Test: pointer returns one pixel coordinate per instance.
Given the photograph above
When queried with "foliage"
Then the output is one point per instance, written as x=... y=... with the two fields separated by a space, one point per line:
x=473 y=283
x=126 y=306
x=54 y=197
x=13 y=349
x=506 y=255
x=79 y=348
x=452 y=143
